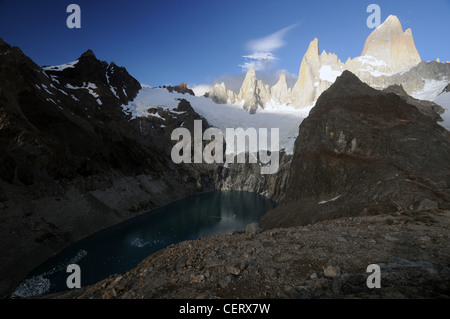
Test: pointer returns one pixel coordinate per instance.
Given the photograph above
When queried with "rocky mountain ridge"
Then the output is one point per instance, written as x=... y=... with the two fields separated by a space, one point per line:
x=389 y=58
x=362 y=151
x=72 y=161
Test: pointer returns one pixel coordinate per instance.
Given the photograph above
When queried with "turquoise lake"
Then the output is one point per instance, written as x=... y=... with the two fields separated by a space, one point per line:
x=122 y=247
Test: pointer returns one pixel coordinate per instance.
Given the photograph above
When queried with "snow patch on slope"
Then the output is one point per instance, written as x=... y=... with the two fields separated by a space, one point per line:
x=444 y=101
x=327 y=201
x=431 y=90
x=87 y=86
x=373 y=65
x=61 y=67
x=223 y=116
x=367 y=59
x=327 y=73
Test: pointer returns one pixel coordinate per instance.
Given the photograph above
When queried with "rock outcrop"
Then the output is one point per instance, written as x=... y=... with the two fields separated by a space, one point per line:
x=254 y=92
x=413 y=80
x=431 y=109
x=360 y=152
x=113 y=81
x=317 y=73
x=180 y=88
x=221 y=95
x=280 y=91
x=248 y=177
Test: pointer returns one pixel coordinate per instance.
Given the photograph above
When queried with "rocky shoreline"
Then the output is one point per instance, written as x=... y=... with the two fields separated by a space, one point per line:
x=323 y=260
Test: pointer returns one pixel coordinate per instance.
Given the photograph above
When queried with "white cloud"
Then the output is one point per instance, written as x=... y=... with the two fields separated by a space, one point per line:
x=259 y=61
x=271 y=42
x=262 y=56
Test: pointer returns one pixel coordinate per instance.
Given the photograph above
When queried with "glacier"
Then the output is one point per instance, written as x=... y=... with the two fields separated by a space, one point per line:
x=223 y=116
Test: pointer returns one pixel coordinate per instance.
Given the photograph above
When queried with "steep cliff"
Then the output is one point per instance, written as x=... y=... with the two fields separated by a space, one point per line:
x=72 y=161
x=360 y=152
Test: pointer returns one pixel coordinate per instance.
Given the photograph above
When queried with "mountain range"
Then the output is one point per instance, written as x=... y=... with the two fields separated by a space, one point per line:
x=389 y=57
x=369 y=184
x=85 y=146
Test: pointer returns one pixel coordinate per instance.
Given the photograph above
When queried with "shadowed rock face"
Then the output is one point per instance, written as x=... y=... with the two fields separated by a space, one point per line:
x=362 y=152
x=72 y=162
x=66 y=123
x=431 y=109
x=105 y=76
x=446 y=89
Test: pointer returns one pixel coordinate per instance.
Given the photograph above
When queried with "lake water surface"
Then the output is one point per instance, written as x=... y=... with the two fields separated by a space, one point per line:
x=122 y=247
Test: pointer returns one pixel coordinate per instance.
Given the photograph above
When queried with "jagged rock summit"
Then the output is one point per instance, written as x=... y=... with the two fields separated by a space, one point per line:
x=113 y=80
x=317 y=73
x=389 y=57
x=253 y=92
x=66 y=143
x=221 y=95
x=362 y=151
x=391 y=45
x=280 y=91
x=88 y=53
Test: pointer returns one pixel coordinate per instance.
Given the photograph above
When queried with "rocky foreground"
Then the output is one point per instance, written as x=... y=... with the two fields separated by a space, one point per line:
x=324 y=260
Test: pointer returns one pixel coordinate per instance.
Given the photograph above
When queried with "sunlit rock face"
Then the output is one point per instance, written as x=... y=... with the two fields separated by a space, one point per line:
x=389 y=55
x=391 y=45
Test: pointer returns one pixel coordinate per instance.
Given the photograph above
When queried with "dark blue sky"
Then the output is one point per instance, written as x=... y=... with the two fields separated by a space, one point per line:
x=168 y=42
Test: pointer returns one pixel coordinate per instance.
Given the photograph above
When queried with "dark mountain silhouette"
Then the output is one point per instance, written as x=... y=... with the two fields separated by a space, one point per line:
x=360 y=152
x=72 y=161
